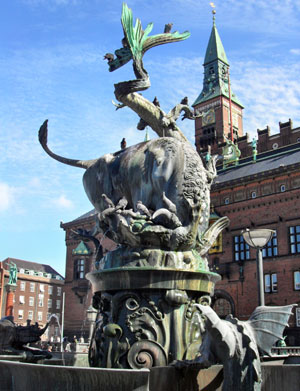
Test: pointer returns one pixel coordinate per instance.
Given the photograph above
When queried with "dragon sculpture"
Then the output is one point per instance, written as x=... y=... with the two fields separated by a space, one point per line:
x=164 y=183
x=237 y=344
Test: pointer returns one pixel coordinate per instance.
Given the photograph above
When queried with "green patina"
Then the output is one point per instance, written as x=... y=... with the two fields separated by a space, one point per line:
x=81 y=249
x=215 y=50
x=139 y=41
x=216 y=69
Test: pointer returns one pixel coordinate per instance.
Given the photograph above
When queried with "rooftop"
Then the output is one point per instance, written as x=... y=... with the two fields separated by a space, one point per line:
x=36 y=268
x=85 y=216
x=266 y=162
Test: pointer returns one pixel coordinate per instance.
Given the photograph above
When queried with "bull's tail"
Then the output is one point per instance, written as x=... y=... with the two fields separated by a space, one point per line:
x=43 y=137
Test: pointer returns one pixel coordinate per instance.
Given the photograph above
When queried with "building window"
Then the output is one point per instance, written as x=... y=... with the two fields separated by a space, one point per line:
x=58 y=291
x=49 y=303
x=42 y=288
x=22 y=286
x=58 y=304
x=297 y=281
x=271 y=283
x=295 y=239
x=79 y=269
x=20 y=314
x=50 y=289
x=41 y=300
x=30 y=315
x=31 y=301
x=32 y=287
x=22 y=299
x=271 y=249
x=241 y=249
x=40 y=316
x=57 y=316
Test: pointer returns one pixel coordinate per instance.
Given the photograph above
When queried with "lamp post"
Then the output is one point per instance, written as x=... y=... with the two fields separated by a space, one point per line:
x=258 y=238
x=91 y=315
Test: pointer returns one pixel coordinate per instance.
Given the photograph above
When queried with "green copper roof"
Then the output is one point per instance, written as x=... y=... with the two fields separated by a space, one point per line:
x=215 y=49
x=218 y=90
x=81 y=249
x=214 y=216
x=216 y=69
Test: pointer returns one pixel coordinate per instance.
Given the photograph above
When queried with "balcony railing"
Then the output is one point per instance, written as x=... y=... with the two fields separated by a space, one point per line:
x=286 y=351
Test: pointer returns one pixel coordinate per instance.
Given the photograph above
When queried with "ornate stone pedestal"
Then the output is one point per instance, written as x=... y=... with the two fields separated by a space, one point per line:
x=146 y=316
x=10 y=292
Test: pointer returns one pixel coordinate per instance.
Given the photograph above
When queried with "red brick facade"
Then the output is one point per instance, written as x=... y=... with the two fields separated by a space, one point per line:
x=77 y=288
x=221 y=125
x=38 y=294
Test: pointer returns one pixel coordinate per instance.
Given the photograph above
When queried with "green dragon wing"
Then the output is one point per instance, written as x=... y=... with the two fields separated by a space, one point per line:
x=139 y=40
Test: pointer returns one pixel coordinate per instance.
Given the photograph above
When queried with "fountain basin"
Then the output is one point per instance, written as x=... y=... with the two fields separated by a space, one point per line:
x=152 y=278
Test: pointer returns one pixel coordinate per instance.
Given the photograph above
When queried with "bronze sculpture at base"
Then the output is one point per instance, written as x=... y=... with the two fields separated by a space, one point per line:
x=13 y=339
x=237 y=344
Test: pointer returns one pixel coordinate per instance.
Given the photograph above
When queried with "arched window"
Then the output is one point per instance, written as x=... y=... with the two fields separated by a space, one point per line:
x=223 y=304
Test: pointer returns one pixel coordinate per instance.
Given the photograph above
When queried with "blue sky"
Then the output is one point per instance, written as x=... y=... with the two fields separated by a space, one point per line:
x=51 y=66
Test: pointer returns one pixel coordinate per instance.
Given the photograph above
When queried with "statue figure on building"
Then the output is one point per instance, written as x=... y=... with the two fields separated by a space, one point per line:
x=254 y=149
x=231 y=153
x=13 y=273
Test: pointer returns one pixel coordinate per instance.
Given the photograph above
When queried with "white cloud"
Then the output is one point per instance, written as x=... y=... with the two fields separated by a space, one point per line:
x=6 y=196
x=63 y=202
x=295 y=51
x=269 y=94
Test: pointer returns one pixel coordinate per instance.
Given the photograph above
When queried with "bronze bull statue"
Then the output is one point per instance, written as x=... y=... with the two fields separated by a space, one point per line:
x=162 y=181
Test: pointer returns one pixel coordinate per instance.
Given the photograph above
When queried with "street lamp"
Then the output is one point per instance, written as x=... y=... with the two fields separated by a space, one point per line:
x=258 y=238
x=91 y=315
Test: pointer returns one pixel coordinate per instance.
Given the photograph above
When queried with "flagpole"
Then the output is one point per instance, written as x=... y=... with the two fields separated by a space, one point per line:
x=230 y=107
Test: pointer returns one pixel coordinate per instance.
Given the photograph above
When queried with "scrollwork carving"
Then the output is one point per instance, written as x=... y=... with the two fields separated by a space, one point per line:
x=146 y=354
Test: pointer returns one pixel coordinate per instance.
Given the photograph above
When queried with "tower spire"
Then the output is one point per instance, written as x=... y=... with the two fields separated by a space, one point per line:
x=220 y=108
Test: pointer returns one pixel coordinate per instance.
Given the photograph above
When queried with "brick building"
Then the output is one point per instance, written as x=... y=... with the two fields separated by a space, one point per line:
x=261 y=191
x=79 y=261
x=38 y=294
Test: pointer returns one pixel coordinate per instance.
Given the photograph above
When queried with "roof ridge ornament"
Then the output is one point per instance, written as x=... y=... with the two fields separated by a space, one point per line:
x=213 y=12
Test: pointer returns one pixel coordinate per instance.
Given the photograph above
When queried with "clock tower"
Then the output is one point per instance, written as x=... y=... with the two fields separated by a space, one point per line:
x=215 y=106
